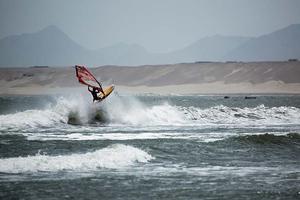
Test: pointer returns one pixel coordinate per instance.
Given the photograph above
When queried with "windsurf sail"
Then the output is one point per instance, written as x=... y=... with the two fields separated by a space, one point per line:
x=86 y=77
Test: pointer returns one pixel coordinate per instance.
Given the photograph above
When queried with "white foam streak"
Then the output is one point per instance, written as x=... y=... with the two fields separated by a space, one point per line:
x=200 y=137
x=214 y=171
x=115 y=156
x=132 y=136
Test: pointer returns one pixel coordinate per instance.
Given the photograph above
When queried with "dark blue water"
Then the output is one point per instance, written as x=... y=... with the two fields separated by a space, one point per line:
x=150 y=147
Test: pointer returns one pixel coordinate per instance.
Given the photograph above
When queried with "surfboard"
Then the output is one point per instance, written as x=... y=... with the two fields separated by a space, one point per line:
x=107 y=91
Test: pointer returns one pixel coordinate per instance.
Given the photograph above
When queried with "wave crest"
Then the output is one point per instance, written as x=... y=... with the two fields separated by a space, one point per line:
x=268 y=138
x=130 y=111
x=115 y=156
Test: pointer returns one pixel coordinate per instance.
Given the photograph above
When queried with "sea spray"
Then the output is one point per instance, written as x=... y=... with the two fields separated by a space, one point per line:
x=131 y=111
x=53 y=114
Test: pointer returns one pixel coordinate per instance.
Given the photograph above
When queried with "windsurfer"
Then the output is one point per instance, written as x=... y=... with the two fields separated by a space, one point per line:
x=87 y=78
x=94 y=91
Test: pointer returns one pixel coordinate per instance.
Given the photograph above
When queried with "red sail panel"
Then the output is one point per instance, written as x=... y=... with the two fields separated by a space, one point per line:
x=85 y=77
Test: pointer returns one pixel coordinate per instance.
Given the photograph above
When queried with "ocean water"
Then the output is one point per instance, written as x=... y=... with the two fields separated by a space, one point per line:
x=150 y=147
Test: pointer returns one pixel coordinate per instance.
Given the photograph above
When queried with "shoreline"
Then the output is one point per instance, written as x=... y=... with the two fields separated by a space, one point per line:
x=269 y=88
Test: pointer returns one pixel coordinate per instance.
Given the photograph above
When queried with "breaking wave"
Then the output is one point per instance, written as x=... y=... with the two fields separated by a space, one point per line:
x=233 y=115
x=115 y=156
x=129 y=111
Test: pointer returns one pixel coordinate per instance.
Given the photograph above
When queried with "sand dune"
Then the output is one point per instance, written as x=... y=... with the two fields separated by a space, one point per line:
x=186 y=78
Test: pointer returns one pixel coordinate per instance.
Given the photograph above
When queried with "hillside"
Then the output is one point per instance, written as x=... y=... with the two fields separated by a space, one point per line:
x=52 y=47
x=49 y=46
x=283 y=44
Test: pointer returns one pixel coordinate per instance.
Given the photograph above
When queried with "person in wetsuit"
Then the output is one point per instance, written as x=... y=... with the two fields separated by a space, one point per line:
x=94 y=91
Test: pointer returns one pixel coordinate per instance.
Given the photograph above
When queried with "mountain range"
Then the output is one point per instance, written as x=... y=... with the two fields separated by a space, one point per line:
x=53 y=47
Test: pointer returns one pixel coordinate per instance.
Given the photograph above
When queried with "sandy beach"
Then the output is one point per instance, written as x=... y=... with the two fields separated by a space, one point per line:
x=186 y=78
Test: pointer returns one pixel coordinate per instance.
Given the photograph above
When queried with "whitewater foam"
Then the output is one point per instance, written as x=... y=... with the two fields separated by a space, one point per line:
x=130 y=111
x=51 y=115
x=247 y=116
x=37 y=118
x=115 y=156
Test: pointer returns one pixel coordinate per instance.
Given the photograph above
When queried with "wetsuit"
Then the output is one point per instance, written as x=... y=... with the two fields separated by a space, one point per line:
x=94 y=93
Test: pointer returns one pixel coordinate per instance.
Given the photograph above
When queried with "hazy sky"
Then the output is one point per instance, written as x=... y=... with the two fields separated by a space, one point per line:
x=158 y=25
